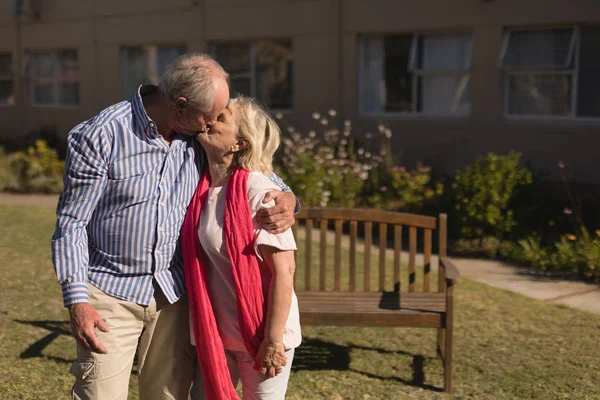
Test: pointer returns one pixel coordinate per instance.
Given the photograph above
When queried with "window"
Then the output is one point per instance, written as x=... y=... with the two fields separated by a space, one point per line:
x=145 y=65
x=54 y=78
x=549 y=72
x=260 y=69
x=7 y=93
x=415 y=74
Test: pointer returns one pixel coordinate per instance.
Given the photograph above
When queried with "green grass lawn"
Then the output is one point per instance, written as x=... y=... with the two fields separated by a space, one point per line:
x=506 y=346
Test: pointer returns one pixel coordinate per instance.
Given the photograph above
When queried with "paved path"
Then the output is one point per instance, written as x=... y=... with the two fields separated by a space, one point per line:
x=494 y=273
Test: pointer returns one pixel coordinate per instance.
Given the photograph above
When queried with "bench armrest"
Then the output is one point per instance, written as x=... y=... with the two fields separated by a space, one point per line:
x=452 y=274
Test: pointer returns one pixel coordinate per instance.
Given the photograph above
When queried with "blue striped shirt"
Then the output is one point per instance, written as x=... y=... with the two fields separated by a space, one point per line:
x=125 y=195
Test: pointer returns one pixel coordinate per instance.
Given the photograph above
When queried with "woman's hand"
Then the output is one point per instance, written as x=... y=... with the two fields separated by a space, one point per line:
x=280 y=217
x=272 y=358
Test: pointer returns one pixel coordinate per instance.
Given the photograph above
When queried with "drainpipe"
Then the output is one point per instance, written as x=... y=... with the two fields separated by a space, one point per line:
x=340 y=46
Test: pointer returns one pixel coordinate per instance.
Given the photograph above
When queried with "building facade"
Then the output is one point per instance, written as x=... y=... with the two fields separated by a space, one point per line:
x=452 y=79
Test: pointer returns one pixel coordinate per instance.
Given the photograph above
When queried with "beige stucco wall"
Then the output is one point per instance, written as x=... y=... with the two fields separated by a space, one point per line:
x=325 y=41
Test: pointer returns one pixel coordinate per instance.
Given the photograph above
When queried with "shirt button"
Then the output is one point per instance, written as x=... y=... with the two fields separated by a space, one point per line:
x=151 y=124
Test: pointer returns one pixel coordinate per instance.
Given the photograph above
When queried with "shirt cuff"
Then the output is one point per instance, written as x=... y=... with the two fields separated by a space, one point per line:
x=75 y=292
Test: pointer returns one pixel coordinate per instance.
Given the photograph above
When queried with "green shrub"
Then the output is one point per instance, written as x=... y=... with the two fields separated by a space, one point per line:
x=8 y=179
x=573 y=255
x=38 y=170
x=483 y=193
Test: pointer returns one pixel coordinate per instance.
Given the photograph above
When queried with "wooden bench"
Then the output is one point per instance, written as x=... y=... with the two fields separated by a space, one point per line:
x=368 y=296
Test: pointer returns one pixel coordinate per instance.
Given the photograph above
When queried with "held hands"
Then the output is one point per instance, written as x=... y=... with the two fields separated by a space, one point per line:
x=84 y=320
x=280 y=217
x=272 y=358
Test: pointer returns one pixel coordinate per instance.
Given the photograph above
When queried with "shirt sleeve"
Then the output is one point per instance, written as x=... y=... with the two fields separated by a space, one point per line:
x=284 y=188
x=85 y=179
x=258 y=187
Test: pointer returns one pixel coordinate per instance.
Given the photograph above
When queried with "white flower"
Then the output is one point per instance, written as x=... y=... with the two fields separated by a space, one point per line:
x=279 y=115
x=388 y=133
x=381 y=127
x=367 y=154
x=347 y=123
x=316 y=115
x=332 y=112
x=361 y=151
x=312 y=134
x=291 y=129
x=324 y=121
x=368 y=135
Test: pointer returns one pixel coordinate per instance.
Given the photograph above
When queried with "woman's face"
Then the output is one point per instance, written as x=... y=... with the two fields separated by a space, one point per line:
x=222 y=138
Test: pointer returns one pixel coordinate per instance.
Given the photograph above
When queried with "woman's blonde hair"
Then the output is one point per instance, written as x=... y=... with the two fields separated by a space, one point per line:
x=262 y=133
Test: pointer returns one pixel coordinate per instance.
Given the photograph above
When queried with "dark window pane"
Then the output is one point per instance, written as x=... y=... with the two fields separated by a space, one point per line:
x=68 y=94
x=588 y=98
x=43 y=94
x=240 y=86
x=546 y=49
x=444 y=52
x=531 y=94
x=7 y=95
x=398 y=79
x=136 y=63
x=5 y=65
x=166 y=55
x=234 y=57
x=274 y=73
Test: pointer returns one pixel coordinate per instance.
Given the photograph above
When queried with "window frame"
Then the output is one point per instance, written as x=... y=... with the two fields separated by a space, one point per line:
x=417 y=73
x=30 y=55
x=573 y=71
x=124 y=57
x=9 y=78
x=251 y=74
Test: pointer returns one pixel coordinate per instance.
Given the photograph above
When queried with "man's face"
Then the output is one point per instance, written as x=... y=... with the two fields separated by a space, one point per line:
x=192 y=122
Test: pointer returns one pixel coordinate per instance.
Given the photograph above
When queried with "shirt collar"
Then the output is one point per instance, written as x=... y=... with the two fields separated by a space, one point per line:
x=139 y=111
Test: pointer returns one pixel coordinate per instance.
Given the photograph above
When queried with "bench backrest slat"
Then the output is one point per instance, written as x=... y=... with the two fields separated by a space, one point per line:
x=308 y=257
x=338 y=255
x=353 y=238
x=382 y=257
x=367 y=253
x=427 y=233
x=412 y=245
x=323 y=260
x=397 y=256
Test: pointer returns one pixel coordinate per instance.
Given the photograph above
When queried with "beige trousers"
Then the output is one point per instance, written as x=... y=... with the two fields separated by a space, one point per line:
x=159 y=333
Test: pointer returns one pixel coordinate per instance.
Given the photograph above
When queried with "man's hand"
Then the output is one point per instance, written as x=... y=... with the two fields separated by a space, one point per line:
x=84 y=321
x=280 y=217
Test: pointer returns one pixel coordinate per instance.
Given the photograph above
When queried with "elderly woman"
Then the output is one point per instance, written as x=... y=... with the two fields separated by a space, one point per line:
x=244 y=311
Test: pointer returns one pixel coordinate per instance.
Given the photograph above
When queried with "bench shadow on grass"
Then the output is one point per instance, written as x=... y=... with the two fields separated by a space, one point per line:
x=318 y=355
x=55 y=329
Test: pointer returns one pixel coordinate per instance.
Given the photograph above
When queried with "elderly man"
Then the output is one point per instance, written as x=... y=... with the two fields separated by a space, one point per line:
x=130 y=173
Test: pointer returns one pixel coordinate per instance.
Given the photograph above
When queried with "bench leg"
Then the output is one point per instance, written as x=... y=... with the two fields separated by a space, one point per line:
x=448 y=341
x=441 y=343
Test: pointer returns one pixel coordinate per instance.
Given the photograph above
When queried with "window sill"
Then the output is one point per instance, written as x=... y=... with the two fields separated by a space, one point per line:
x=540 y=119
x=416 y=117
x=59 y=106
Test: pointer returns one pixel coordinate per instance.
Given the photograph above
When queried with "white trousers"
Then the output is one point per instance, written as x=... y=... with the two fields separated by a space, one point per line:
x=255 y=386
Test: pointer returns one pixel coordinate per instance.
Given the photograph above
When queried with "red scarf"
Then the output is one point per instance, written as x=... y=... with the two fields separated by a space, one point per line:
x=238 y=229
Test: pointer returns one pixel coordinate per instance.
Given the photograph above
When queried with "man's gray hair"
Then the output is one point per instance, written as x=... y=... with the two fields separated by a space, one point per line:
x=192 y=76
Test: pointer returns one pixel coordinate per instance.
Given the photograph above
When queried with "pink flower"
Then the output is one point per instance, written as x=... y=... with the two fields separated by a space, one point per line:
x=561 y=164
x=399 y=169
x=567 y=211
x=383 y=188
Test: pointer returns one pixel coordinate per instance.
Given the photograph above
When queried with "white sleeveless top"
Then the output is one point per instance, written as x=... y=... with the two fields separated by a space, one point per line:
x=219 y=272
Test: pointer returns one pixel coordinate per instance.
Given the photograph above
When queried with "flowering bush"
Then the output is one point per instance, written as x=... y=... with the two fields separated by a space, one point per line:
x=330 y=167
